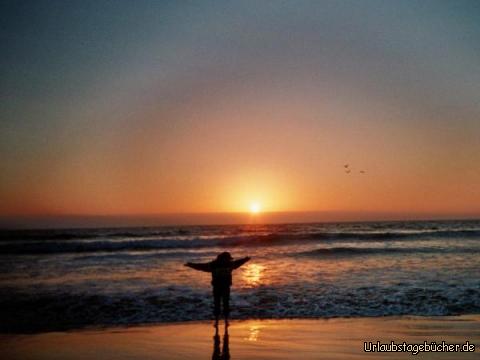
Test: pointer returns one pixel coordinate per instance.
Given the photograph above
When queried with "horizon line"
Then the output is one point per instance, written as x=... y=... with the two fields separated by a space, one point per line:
x=59 y=221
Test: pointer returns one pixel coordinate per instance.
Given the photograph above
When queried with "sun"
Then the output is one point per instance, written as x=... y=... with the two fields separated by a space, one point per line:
x=255 y=207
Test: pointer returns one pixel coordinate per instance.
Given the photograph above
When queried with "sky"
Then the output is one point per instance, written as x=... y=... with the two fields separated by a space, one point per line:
x=138 y=108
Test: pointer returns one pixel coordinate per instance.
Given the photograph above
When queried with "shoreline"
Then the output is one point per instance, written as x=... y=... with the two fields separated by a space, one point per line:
x=119 y=326
x=332 y=338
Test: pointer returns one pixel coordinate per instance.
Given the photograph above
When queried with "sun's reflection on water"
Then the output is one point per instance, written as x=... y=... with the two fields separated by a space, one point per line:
x=253 y=274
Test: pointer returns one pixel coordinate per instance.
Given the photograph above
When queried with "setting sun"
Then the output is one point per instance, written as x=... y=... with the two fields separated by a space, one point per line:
x=255 y=207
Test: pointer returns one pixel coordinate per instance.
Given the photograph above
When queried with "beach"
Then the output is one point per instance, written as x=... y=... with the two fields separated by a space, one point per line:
x=339 y=338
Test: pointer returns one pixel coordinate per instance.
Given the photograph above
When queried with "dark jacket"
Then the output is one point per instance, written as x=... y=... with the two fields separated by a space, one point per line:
x=221 y=270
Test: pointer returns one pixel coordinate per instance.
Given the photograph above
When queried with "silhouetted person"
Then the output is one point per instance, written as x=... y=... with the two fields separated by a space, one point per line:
x=221 y=269
x=225 y=353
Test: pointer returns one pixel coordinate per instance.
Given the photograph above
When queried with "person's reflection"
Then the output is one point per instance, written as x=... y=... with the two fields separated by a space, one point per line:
x=225 y=353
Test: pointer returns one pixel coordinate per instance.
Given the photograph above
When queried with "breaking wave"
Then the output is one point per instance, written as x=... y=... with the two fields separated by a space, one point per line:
x=122 y=242
x=61 y=311
x=346 y=251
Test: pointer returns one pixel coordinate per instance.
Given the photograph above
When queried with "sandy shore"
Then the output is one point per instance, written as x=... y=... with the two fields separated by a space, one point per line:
x=267 y=339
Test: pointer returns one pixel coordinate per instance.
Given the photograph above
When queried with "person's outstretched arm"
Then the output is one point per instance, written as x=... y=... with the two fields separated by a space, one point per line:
x=201 y=267
x=240 y=262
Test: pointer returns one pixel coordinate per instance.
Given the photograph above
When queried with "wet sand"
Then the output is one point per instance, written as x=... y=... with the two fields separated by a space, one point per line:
x=339 y=339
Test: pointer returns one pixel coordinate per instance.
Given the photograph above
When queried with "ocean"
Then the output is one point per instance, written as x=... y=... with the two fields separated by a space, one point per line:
x=74 y=278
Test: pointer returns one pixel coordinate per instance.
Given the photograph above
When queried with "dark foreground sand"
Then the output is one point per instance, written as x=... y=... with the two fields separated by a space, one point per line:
x=339 y=339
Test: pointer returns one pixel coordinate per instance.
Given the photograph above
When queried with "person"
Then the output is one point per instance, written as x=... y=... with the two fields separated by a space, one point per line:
x=221 y=269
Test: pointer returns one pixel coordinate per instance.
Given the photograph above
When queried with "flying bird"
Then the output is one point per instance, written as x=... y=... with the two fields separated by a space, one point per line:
x=348 y=169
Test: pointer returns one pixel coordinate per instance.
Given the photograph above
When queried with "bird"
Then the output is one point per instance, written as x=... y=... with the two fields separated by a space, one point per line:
x=345 y=166
x=362 y=171
x=348 y=171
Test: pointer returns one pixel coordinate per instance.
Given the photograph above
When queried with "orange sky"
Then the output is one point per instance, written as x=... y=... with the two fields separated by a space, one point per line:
x=213 y=109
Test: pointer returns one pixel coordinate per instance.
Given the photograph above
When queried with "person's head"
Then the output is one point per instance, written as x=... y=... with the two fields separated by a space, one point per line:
x=224 y=257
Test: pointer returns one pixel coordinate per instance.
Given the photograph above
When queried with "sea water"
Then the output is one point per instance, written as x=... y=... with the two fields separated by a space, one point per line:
x=72 y=278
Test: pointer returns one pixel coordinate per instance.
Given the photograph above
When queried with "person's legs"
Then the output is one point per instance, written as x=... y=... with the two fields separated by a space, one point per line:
x=226 y=301
x=217 y=295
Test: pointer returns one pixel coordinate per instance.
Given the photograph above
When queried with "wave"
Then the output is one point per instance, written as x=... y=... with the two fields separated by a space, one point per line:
x=58 y=235
x=393 y=235
x=347 y=251
x=47 y=311
x=365 y=231
x=113 y=244
x=126 y=245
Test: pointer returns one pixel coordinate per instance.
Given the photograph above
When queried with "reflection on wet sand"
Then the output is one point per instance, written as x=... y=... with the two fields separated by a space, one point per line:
x=224 y=354
x=335 y=339
x=254 y=331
